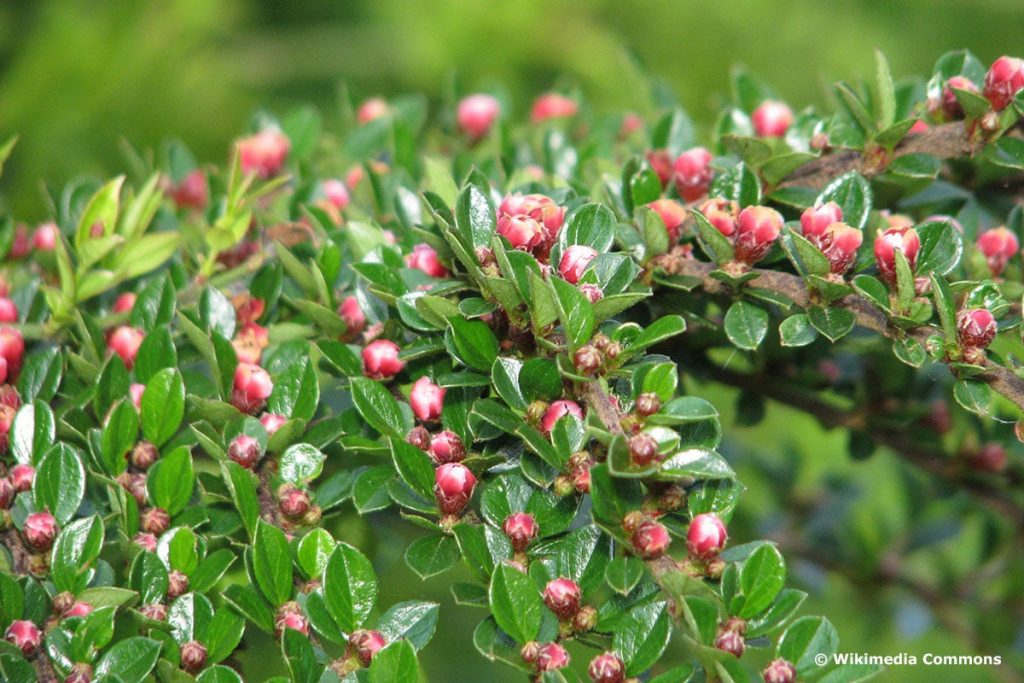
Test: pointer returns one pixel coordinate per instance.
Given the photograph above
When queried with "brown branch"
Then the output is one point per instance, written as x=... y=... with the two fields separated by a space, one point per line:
x=1001 y=379
x=599 y=401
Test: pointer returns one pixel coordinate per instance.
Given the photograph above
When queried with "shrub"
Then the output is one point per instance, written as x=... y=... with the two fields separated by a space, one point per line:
x=486 y=328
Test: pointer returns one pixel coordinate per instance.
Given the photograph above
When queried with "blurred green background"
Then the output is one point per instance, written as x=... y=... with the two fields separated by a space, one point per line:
x=78 y=76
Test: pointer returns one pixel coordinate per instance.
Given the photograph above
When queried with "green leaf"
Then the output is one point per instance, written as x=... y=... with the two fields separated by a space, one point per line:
x=32 y=432
x=296 y=391
x=12 y=600
x=100 y=211
x=415 y=621
x=642 y=636
x=272 y=563
x=41 y=374
x=241 y=485
x=910 y=351
x=973 y=395
x=872 y=289
x=475 y=343
x=130 y=660
x=112 y=385
x=163 y=406
x=739 y=183
x=378 y=407
x=941 y=247
x=415 y=468
x=540 y=380
x=834 y=323
x=805 y=638
x=301 y=463
x=119 y=436
x=806 y=257
x=746 y=325
x=59 y=484
x=885 y=104
x=223 y=634
x=475 y=217
x=170 y=480
x=624 y=573
x=515 y=603
x=396 y=663
x=218 y=674
x=945 y=305
x=299 y=657
x=797 y=330
x=575 y=311
x=156 y=352
x=661 y=329
x=432 y=555
x=593 y=225
x=77 y=546
x=762 y=577
x=350 y=587
x=505 y=377
x=716 y=245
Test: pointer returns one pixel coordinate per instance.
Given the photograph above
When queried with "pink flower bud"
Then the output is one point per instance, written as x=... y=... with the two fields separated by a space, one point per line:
x=40 y=530
x=193 y=656
x=135 y=392
x=522 y=232
x=419 y=437
x=78 y=609
x=352 y=314
x=976 y=327
x=587 y=360
x=1004 y=78
x=365 y=644
x=757 y=228
x=672 y=214
x=143 y=455
x=154 y=521
x=21 y=245
x=551 y=657
x=249 y=342
x=292 y=620
x=125 y=342
x=124 y=303
x=989 y=458
x=643 y=449
x=552 y=105
x=445 y=447
x=631 y=123
x=380 y=359
x=8 y=310
x=706 y=536
x=335 y=193
x=661 y=164
x=693 y=173
x=12 y=350
x=730 y=641
x=453 y=487
x=177 y=584
x=779 y=671
x=294 y=502
x=145 y=541
x=22 y=477
x=272 y=422
x=426 y=399
x=521 y=529
x=24 y=635
x=562 y=596
x=951 y=106
x=7 y=494
x=423 y=257
x=45 y=237
x=592 y=292
x=647 y=404
x=264 y=153
x=80 y=673
x=476 y=114
x=191 y=192
x=252 y=386
x=557 y=411
x=575 y=260
x=154 y=611
x=840 y=244
x=245 y=450
x=722 y=214
x=650 y=540
x=918 y=127
x=888 y=242
x=814 y=221
x=372 y=109
x=998 y=245
x=772 y=119
x=607 y=668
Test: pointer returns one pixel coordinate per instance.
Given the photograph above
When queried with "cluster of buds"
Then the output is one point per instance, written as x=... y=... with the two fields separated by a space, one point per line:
x=476 y=115
x=8 y=310
x=976 y=328
x=249 y=342
x=643 y=449
x=264 y=153
x=946 y=106
x=530 y=222
x=552 y=105
x=1005 y=78
x=771 y=119
x=545 y=656
x=903 y=239
x=371 y=109
x=380 y=359
x=252 y=386
x=752 y=231
x=650 y=539
x=135 y=484
x=577 y=475
x=453 y=488
x=43 y=239
x=823 y=227
x=125 y=342
x=423 y=257
x=594 y=358
x=730 y=637
x=998 y=246
x=690 y=172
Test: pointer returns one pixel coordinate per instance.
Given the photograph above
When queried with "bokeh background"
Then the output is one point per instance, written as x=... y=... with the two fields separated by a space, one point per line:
x=79 y=76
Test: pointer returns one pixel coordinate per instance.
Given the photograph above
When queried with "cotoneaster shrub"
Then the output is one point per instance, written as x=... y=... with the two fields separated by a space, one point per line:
x=488 y=327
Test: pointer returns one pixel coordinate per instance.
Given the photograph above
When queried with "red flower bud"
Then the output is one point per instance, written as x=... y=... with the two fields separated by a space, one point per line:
x=125 y=342
x=252 y=386
x=154 y=521
x=191 y=192
x=7 y=494
x=12 y=350
x=672 y=214
x=144 y=455
x=22 y=476
x=730 y=641
x=40 y=530
x=562 y=596
x=335 y=193
x=779 y=671
x=607 y=668
x=145 y=541
x=249 y=342
x=352 y=314
x=990 y=458
x=998 y=245
x=647 y=404
x=552 y=105
x=264 y=153
x=722 y=214
x=45 y=237
x=426 y=399
x=951 y=106
x=522 y=232
x=291 y=620
x=476 y=114
x=124 y=303
x=757 y=228
x=650 y=540
x=521 y=528
x=245 y=450
x=423 y=257
x=888 y=242
x=294 y=502
x=840 y=244
x=380 y=359
x=706 y=536
x=135 y=484
x=772 y=119
x=80 y=673
x=575 y=260
x=193 y=656
x=631 y=123
x=21 y=245
x=587 y=360
x=272 y=422
x=419 y=437
x=661 y=164
x=557 y=411
x=446 y=447
x=693 y=173
x=8 y=310
x=1004 y=78
x=643 y=449
x=154 y=612
x=976 y=327
x=814 y=221
x=177 y=584
x=365 y=644
x=372 y=109
x=551 y=657
x=24 y=635
x=592 y=292
x=135 y=392
x=453 y=487
x=78 y=609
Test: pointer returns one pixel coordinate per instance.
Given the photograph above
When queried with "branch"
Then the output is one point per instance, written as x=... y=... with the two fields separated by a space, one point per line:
x=1001 y=379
